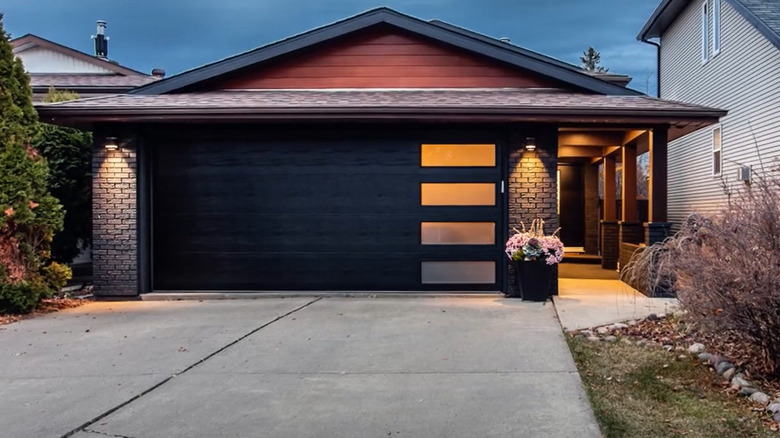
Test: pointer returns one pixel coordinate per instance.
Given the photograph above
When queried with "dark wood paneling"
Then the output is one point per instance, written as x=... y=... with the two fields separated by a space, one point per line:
x=383 y=58
x=303 y=215
x=572 y=217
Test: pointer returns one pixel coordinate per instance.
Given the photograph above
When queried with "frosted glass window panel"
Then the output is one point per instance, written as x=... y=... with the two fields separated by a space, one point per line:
x=458 y=272
x=458 y=233
x=458 y=155
x=458 y=194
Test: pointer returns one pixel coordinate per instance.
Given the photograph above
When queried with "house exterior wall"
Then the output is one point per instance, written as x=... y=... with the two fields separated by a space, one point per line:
x=384 y=58
x=114 y=219
x=42 y=60
x=744 y=78
x=118 y=211
x=533 y=187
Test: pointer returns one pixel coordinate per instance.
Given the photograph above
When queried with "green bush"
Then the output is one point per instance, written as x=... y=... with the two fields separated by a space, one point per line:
x=57 y=275
x=22 y=297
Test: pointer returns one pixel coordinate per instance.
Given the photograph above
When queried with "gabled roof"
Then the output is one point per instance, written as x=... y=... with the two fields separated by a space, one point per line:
x=30 y=41
x=764 y=15
x=436 y=30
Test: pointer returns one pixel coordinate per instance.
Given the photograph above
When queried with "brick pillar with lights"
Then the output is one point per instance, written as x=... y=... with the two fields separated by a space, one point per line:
x=533 y=185
x=114 y=224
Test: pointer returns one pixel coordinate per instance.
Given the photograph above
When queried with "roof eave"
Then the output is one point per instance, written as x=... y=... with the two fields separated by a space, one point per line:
x=661 y=18
x=561 y=114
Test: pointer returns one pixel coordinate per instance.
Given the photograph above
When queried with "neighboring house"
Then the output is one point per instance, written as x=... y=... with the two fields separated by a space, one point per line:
x=725 y=54
x=53 y=65
x=379 y=153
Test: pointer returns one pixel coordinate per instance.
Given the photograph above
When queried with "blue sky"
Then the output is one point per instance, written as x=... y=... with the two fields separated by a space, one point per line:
x=177 y=35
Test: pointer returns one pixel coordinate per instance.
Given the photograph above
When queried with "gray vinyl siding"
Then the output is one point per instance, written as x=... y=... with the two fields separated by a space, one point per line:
x=744 y=78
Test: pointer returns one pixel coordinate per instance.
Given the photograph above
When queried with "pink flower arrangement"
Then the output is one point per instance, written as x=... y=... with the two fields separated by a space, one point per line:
x=533 y=244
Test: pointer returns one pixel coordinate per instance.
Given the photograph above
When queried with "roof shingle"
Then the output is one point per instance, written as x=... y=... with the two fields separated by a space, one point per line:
x=406 y=98
x=65 y=81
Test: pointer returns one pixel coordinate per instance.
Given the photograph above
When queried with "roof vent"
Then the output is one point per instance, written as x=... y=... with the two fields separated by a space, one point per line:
x=158 y=73
x=505 y=40
x=101 y=41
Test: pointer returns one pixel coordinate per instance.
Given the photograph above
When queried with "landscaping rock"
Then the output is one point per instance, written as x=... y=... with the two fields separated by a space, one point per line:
x=696 y=348
x=776 y=417
x=716 y=359
x=722 y=367
x=668 y=347
x=602 y=330
x=740 y=381
x=632 y=323
x=626 y=341
x=747 y=391
x=705 y=357
x=661 y=316
x=682 y=357
x=641 y=343
x=759 y=397
x=729 y=373
x=773 y=408
x=594 y=338
x=586 y=333
x=619 y=326
x=610 y=339
x=652 y=317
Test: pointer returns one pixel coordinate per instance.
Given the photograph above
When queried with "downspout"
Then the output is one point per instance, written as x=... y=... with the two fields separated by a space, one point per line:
x=657 y=65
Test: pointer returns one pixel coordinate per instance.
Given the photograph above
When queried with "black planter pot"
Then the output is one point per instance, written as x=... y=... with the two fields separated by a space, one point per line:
x=534 y=278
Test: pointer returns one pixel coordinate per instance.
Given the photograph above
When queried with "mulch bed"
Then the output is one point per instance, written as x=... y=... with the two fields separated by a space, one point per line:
x=676 y=331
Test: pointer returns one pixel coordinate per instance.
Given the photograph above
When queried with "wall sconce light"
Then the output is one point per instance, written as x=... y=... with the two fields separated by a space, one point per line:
x=530 y=144
x=111 y=144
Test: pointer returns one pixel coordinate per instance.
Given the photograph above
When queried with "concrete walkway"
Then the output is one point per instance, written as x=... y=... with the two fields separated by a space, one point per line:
x=583 y=303
x=334 y=367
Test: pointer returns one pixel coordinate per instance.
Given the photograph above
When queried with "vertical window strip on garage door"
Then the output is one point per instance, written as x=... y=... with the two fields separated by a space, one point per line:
x=458 y=194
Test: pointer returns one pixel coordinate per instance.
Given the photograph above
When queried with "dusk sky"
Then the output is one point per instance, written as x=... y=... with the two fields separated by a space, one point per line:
x=183 y=34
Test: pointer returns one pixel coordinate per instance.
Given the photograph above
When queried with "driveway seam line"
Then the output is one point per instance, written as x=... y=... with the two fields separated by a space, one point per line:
x=127 y=402
x=105 y=434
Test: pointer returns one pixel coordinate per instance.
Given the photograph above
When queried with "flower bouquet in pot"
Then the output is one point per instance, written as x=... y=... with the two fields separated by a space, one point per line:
x=534 y=255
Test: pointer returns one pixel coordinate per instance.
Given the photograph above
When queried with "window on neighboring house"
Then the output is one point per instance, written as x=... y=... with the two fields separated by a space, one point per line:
x=717 y=151
x=705 y=38
x=715 y=27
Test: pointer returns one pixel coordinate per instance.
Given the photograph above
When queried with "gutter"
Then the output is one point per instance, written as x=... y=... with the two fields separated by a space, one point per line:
x=657 y=65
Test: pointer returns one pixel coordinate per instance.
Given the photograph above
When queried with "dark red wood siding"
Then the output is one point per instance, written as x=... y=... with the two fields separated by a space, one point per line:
x=384 y=58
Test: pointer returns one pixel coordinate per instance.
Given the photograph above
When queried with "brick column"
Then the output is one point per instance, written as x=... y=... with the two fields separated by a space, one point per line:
x=114 y=232
x=631 y=232
x=657 y=231
x=533 y=185
x=610 y=244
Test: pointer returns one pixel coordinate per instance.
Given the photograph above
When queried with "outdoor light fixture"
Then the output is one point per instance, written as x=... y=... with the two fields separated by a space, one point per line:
x=530 y=144
x=111 y=144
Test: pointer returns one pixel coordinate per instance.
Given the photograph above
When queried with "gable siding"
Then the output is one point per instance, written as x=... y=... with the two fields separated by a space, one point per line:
x=744 y=78
x=384 y=59
x=41 y=60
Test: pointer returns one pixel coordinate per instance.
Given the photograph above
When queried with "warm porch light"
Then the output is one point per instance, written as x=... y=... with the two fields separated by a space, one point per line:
x=530 y=144
x=111 y=144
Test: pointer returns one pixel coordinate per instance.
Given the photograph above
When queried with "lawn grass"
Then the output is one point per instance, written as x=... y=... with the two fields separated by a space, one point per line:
x=647 y=392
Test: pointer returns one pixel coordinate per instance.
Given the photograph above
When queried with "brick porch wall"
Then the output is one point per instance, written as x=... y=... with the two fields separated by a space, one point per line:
x=114 y=232
x=533 y=187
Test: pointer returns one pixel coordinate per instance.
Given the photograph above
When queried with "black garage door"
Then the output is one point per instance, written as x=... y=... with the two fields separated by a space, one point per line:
x=343 y=215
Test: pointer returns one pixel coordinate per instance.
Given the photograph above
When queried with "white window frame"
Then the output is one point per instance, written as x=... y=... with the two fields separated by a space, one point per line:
x=719 y=150
x=715 y=27
x=705 y=31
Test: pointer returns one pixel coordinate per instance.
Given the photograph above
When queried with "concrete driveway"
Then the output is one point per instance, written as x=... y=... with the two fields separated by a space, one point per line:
x=302 y=367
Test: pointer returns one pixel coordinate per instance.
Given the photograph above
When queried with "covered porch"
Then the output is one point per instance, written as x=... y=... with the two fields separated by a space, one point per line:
x=612 y=193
